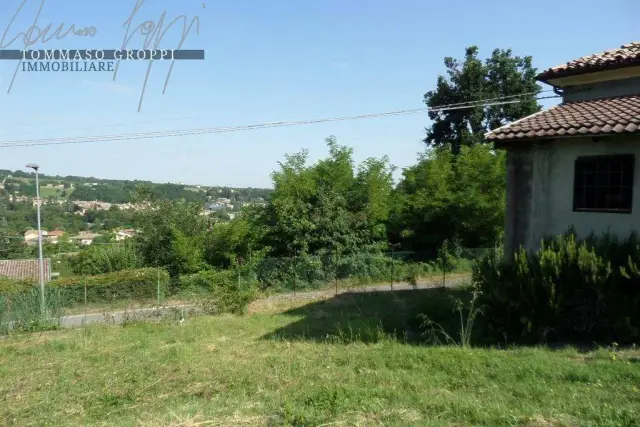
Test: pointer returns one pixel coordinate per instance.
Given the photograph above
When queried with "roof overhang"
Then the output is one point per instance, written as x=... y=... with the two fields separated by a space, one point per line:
x=590 y=118
x=590 y=75
x=510 y=144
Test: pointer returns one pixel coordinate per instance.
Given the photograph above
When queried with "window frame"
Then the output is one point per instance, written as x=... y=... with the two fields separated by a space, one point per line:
x=629 y=184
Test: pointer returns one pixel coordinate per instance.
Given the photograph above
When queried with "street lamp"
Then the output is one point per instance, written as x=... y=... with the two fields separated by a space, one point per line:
x=42 y=302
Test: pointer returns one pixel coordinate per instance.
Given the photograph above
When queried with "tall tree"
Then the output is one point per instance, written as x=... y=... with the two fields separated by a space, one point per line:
x=331 y=205
x=11 y=244
x=461 y=200
x=502 y=77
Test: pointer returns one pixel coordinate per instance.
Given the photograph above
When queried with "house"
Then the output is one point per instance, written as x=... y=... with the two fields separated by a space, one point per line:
x=25 y=269
x=214 y=207
x=54 y=236
x=125 y=234
x=31 y=236
x=85 y=238
x=574 y=165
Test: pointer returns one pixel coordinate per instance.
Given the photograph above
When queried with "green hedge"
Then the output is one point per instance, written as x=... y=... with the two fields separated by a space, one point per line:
x=567 y=290
x=220 y=291
x=126 y=284
x=10 y=286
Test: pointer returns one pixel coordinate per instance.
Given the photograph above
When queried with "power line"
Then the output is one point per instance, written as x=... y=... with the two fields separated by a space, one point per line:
x=202 y=131
x=454 y=106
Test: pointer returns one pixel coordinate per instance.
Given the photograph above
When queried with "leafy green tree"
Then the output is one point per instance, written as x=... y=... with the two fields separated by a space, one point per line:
x=102 y=259
x=501 y=76
x=440 y=198
x=12 y=245
x=328 y=206
x=225 y=242
x=172 y=236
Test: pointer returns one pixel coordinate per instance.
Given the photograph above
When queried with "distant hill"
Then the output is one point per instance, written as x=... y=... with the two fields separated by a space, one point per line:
x=119 y=191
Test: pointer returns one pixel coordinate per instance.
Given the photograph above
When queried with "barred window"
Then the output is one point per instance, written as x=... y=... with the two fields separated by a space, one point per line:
x=603 y=183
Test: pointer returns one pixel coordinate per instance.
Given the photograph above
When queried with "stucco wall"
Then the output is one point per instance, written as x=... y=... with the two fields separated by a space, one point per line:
x=548 y=210
x=630 y=86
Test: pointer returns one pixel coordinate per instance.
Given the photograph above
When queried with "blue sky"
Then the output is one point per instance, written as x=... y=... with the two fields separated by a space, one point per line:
x=277 y=60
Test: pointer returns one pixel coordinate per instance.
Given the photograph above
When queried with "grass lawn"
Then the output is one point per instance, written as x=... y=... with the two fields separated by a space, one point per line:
x=330 y=360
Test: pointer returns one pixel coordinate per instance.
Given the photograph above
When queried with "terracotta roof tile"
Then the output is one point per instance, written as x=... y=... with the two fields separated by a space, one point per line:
x=628 y=54
x=24 y=269
x=593 y=117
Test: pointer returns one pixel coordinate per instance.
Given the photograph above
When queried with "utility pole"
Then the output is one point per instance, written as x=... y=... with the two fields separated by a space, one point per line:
x=41 y=262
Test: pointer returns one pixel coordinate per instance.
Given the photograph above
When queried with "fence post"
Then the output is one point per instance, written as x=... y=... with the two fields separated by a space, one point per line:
x=335 y=269
x=393 y=266
x=158 y=271
x=295 y=258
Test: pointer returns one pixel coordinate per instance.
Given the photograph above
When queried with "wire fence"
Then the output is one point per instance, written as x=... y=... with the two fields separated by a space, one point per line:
x=313 y=271
x=153 y=286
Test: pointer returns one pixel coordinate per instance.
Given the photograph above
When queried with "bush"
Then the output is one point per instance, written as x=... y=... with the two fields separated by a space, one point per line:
x=567 y=290
x=126 y=284
x=105 y=259
x=10 y=286
x=220 y=291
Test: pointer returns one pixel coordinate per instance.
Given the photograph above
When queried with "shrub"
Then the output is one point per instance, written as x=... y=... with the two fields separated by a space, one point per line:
x=412 y=275
x=105 y=259
x=10 y=286
x=220 y=291
x=126 y=284
x=588 y=290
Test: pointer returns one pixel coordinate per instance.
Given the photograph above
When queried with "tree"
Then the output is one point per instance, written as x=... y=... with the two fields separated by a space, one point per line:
x=172 y=235
x=440 y=198
x=502 y=76
x=11 y=244
x=329 y=206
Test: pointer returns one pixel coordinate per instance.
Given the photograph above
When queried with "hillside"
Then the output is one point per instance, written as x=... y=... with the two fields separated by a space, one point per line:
x=118 y=191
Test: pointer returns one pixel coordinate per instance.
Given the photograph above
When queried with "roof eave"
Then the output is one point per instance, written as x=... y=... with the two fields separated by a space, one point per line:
x=548 y=77
x=511 y=142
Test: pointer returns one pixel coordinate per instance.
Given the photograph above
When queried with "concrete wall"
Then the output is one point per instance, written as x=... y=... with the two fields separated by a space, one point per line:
x=540 y=191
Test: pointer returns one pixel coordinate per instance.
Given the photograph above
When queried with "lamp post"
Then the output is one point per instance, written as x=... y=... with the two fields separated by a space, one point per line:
x=42 y=302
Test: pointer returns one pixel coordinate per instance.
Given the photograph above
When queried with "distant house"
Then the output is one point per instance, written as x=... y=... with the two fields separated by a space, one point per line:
x=125 y=234
x=25 y=269
x=214 y=207
x=31 y=236
x=85 y=238
x=575 y=164
x=54 y=236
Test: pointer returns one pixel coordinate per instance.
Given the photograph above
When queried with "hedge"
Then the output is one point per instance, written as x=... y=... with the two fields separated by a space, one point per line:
x=576 y=290
x=220 y=291
x=127 y=284
x=11 y=286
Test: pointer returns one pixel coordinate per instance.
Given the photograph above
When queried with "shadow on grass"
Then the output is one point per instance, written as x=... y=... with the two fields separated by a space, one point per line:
x=374 y=316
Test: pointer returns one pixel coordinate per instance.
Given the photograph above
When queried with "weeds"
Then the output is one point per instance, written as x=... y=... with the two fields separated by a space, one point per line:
x=435 y=334
x=21 y=312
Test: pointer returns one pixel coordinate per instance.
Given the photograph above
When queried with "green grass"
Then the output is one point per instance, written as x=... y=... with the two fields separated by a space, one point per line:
x=46 y=192
x=330 y=360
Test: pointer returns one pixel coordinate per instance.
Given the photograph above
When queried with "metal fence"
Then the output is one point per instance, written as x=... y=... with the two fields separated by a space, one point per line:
x=311 y=271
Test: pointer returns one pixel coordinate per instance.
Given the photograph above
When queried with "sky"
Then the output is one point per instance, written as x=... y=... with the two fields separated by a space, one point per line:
x=269 y=61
